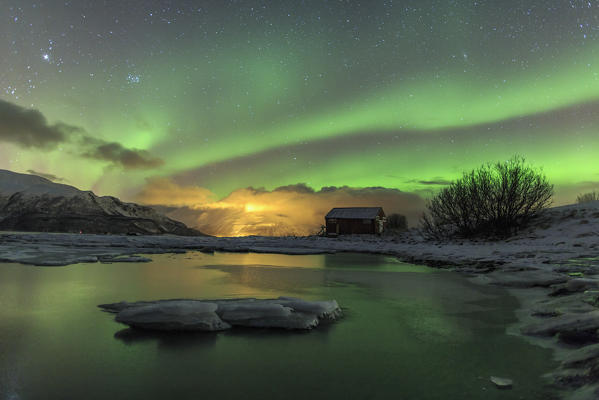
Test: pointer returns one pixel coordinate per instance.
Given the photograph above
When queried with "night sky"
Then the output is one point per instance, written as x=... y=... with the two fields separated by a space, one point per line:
x=187 y=103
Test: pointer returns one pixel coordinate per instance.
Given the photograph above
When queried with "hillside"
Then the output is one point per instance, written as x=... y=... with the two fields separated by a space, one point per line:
x=33 y=203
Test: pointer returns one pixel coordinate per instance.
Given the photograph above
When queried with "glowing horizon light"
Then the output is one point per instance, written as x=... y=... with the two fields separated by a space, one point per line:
x=254 y=208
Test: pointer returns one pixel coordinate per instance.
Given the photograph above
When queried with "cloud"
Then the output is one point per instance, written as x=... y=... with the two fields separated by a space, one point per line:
x=287 y=210
x=434 y=182
x=50 y=177
x=297 y=188
x=164 y=192
x=30 y=129
x=117 y=154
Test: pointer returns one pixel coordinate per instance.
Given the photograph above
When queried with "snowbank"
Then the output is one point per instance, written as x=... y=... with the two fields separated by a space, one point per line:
x=217 y=315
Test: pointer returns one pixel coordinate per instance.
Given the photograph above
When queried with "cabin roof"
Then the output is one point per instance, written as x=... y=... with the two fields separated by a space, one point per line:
x=354 y=212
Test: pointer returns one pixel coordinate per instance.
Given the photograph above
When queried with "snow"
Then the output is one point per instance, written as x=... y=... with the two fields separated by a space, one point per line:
x=12 y=182
x=564 y=233
x=173 y=315
x=216 y=315
x=552 y=267
x=24 y=196
x=502 y=383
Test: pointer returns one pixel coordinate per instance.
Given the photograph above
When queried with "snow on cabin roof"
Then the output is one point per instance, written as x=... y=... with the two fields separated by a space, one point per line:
x=354 y=212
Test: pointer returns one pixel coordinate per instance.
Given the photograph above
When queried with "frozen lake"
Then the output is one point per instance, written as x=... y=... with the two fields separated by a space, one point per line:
x=409 y=332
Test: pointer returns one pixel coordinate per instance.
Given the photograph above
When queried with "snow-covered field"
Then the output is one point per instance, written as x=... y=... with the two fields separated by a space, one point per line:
x=552 y=268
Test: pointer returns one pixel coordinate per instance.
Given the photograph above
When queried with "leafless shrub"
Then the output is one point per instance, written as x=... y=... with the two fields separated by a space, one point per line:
x=495 y=200
x=397 y=222
x=587 y=197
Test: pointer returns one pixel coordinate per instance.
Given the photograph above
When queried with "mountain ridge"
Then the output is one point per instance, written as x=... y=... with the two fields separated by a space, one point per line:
x=33 y=203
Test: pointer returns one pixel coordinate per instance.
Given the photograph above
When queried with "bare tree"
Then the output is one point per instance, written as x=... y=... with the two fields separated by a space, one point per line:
x=397 y=222
x=494 y=200
x=587 y=197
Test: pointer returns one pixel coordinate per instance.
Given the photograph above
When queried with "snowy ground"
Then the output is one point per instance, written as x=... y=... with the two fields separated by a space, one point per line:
x=553 y=268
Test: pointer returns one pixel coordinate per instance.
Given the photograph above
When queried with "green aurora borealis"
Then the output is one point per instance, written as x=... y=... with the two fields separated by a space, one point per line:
x=231 y=94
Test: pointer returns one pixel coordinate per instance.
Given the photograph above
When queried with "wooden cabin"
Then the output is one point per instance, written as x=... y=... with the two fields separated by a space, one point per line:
x=355 y=220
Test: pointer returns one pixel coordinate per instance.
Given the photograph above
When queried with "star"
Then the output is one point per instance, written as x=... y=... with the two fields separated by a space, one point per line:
x=133 y=78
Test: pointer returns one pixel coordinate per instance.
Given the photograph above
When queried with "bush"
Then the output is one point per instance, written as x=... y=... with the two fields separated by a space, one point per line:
x=587 y=197
x=494 y=200
x=397 y=222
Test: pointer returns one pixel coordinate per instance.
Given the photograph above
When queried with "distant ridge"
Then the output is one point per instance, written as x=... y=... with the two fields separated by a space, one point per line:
x=13 y=182
x=32 y=203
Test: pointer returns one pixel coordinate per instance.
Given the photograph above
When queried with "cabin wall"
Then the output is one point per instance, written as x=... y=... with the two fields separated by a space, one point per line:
x=350 y=226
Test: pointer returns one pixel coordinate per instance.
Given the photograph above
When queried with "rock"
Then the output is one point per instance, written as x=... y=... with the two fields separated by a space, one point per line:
x=591 y=297
x=581 y=284
x=574 y=303
x=502 y=383
x=120 y=306
x=526 y=279
x=245 y=310
x=265 y=314
x=212 y=315
x=323 y=309
x=177 y=315
x=570 y=378
x=581 y=322
x=294 y=321
x=559 y=290
x=578 y=337
x=544 y=313
x=582 y=356
x=588 y=392
x=114 y=307
x=125 y=258
x=88 y=259
x=289 y=250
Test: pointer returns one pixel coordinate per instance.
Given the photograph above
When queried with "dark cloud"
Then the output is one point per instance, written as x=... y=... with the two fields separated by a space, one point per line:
x=435 y=182
x=298 y=188
x=440 y=182
x=29 y=128
x=50 y=177
x=117 y=154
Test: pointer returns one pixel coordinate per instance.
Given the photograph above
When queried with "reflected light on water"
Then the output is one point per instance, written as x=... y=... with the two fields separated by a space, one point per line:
x=403 y=325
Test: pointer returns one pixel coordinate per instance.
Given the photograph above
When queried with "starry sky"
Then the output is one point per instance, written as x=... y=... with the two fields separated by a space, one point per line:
x=195 y=104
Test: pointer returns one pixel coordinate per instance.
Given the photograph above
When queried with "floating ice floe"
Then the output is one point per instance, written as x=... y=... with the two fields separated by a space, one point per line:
x=502 y=383
x=218 y=315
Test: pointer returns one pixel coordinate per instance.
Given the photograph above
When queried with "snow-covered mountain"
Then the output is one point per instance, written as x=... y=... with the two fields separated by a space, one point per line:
x=33 y=203
x=12 y=182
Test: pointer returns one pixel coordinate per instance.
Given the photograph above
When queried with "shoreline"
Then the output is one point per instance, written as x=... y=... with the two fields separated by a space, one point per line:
x=552 y=268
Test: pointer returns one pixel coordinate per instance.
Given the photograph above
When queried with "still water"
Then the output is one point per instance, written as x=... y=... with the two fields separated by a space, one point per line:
x=409 y=332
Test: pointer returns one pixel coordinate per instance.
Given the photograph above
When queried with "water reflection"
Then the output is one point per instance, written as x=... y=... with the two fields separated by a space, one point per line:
x=170 y=341
x=408 y=332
